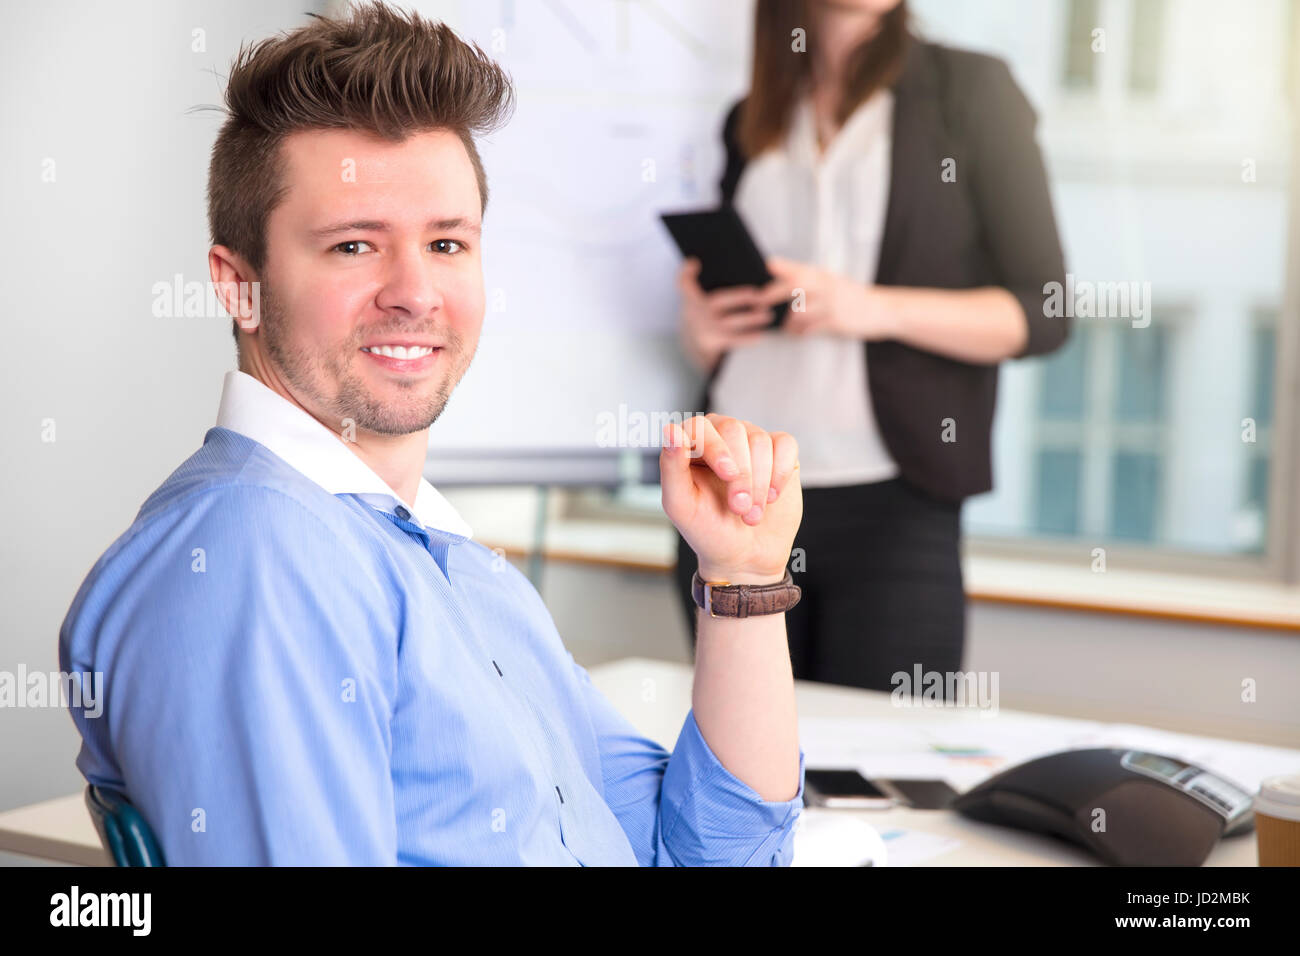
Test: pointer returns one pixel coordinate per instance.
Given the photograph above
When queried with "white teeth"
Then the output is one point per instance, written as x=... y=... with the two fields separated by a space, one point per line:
x=399 y=351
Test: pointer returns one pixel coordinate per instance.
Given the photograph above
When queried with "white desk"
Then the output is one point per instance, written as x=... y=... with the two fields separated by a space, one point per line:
x=655 y=696
x=58 y=829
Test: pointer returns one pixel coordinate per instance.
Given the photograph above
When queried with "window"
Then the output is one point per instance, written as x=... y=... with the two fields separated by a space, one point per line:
x=1257 y=429
x=1290 y=75
x=1101 y=412
x=1080 y=60
x=1058 y=480
x=1160 y=437
x=1144 y=45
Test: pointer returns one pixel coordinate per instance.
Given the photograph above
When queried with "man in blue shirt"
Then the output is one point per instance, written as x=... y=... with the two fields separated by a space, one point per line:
x=306 y=657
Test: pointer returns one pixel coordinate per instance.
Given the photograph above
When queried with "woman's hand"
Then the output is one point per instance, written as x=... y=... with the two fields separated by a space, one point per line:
x=824 y=302
x=713 y=322
x=740 y=505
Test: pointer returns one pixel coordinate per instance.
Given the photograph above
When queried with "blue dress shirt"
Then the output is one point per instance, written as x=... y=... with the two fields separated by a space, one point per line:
x=295 y=673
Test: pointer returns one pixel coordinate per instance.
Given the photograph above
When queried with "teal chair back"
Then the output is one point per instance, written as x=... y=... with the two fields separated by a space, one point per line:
x=123 y=831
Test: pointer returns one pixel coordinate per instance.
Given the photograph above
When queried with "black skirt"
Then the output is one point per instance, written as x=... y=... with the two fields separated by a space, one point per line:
x=880 y=569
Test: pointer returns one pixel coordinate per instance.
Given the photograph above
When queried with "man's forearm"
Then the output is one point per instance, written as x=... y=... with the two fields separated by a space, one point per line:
x=743 y=698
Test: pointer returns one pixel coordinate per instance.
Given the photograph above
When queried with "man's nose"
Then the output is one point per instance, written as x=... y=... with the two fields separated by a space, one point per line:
x=411 y=284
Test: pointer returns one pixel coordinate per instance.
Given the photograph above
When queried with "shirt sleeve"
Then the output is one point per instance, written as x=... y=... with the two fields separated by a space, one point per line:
x=247 y=701
x=1012 y=198
x=686 y=809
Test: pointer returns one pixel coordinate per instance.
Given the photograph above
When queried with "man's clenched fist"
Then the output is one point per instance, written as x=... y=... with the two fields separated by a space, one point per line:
x=733 y=492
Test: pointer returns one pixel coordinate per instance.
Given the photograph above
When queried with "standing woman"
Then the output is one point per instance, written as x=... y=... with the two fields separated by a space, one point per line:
x=899 y=188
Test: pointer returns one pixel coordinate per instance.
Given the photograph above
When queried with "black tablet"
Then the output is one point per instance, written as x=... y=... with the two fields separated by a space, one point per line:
x=727 y=253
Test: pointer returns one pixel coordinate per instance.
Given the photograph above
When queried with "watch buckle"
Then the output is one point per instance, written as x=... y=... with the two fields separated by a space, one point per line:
x=708 y=595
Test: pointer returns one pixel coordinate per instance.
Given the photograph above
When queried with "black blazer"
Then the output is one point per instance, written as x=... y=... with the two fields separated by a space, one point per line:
x=993 y=226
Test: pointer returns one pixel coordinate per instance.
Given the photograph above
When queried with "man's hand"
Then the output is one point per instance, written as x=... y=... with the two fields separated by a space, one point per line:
x=827 y=303
x=733 y=492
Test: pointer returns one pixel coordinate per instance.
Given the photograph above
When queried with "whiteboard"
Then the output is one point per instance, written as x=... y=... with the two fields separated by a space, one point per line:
x=618 y=116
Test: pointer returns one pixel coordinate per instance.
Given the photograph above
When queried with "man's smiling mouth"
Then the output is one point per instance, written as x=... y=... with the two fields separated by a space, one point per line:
x=399 y=351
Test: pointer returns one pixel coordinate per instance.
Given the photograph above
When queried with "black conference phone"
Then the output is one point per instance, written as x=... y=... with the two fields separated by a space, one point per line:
x=1129 y=807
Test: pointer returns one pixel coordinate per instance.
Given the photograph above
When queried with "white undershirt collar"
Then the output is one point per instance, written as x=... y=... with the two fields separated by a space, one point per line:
x=252 y=409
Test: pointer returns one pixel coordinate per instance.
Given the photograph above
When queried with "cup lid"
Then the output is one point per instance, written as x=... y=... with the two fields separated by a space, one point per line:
x=1279 y=797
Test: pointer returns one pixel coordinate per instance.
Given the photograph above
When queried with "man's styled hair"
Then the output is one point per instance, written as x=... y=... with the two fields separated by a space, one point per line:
x=379 y=71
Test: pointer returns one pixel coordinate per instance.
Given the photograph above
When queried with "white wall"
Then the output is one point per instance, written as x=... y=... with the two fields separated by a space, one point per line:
x=101 y=89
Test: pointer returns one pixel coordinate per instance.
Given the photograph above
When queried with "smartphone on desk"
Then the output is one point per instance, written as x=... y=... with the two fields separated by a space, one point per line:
x=843 y=788
x=849 y=789
x=727 y=252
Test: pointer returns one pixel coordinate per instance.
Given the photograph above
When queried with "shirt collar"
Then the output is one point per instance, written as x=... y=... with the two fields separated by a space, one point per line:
x=268 y=418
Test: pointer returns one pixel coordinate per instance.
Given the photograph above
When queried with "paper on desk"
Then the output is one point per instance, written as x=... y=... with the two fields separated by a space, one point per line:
x=965 y=748
x=936 y=744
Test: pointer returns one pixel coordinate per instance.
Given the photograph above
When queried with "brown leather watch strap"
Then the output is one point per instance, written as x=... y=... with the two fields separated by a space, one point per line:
x=746 y=600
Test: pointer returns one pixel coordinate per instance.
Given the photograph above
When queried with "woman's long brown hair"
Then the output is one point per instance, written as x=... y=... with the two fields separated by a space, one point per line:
x=780 y=71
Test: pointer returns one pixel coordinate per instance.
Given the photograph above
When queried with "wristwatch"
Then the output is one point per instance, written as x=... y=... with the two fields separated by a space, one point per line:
x=745 y=600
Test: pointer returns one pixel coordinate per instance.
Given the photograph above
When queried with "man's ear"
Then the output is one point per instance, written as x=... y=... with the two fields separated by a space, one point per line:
x=239 y=290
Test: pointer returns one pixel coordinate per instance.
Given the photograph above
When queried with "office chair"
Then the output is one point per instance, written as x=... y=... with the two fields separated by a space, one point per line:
x=122 y=830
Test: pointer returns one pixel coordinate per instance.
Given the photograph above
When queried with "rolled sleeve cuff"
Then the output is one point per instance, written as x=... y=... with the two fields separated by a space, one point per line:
x=710 y=817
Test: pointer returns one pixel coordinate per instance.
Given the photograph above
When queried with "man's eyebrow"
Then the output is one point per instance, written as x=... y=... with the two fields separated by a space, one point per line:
x=378 y=225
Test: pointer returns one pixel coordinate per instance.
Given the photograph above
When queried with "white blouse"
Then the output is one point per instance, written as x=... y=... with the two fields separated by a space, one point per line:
x=828 y=210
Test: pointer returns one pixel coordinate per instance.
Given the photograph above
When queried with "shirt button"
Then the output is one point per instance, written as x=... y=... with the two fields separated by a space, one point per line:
x=403 y=513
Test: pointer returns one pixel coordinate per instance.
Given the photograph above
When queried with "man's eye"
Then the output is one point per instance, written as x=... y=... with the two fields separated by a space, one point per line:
x=341 y=247
x=449 y=246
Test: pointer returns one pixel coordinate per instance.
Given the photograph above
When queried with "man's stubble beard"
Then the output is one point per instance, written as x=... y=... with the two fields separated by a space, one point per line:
x=307 y=371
